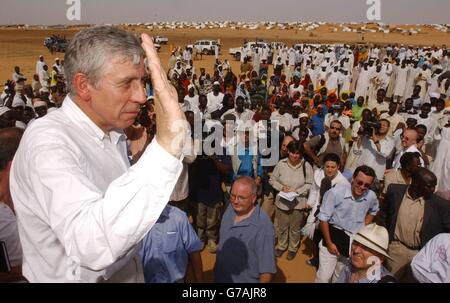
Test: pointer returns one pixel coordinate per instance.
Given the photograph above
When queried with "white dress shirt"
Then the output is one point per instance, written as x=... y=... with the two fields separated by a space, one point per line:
x=78 y=201
x=376 y=159
x=432 y=263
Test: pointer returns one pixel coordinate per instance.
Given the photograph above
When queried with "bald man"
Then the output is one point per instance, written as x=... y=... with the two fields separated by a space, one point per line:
x=409 y=145
x=413 y=215
x=246 y=252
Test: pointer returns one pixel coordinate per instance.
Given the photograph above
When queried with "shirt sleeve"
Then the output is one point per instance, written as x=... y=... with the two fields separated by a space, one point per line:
x=313 y=193
x=274 y=178
x=304 y=189
x=190 y=239
x=374 y=205
x=431 y=264
x=99 y=228
x=327 y=207
x=265 y=244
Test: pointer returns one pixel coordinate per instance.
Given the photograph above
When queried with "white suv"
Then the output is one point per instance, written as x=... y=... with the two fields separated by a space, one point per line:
x=161 y=40
x=239 y=52
x=205 y=46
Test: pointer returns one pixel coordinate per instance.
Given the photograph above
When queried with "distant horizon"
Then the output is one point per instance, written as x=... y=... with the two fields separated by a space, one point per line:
x=55 y=12
x=73 y=24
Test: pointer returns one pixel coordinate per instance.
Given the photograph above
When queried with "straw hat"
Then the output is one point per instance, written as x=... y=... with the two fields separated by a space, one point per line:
x=374 y=237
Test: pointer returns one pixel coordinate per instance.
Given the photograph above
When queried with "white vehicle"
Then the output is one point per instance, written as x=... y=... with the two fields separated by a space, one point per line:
x=206 y=47
x=161 y=39
x=238 y=52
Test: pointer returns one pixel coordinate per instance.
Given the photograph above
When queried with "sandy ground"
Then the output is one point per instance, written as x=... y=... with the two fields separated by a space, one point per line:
x=294 y=271
x=23 y=47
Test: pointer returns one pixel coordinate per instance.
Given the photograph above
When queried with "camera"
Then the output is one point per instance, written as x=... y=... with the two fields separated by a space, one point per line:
x=370 y=126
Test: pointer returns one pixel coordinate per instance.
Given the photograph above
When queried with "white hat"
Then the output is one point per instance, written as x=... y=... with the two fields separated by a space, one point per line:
x=303 y=115
x=374 y=237
x=3 y=110
x=216 y=83
x=40 y=103
x=434 y=95
x=57 y=59
x=191 y=86
x=439 y=67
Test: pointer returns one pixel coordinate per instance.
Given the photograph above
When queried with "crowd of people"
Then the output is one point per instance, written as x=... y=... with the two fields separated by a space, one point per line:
x=343 y=146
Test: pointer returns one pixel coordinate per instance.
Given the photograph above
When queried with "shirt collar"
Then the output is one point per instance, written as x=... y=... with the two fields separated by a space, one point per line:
x=252 y=220
x=166 y=211
x=349 y=195
x=79 y=117
x=420 y=199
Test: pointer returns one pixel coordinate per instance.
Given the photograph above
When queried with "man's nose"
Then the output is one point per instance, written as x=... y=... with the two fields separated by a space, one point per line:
x=138 y=93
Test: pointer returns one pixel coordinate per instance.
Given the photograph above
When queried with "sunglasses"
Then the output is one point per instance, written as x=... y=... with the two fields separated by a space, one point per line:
x=362 y=184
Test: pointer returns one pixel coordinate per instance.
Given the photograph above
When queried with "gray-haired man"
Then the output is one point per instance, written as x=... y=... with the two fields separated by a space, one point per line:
x=84 y=210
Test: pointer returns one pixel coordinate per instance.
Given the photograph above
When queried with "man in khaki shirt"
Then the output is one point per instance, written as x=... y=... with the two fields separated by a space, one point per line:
x=413 y=215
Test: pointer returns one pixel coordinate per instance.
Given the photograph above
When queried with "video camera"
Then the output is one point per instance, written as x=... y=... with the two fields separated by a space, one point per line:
x=370 y=126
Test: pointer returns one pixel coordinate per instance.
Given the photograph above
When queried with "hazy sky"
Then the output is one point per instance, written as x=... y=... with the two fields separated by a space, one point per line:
x=116 y=11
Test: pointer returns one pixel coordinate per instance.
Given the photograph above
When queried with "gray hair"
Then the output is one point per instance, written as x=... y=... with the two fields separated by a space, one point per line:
x=90 y=49
x=248 y=181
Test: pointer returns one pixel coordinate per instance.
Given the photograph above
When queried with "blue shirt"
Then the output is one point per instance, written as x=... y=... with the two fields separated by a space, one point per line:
x=317 y=125
x=246 y=249
x=346 y=274
x=246 y=167
x=165 y=249
x=342 y=210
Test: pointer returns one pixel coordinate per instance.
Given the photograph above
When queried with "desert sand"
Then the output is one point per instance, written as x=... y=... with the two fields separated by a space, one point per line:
x=22 y=47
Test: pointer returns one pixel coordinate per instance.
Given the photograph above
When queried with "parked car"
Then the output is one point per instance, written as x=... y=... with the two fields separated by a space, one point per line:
x=238 y=52
x=161 y=39
x=206 y=47
x=56 y=44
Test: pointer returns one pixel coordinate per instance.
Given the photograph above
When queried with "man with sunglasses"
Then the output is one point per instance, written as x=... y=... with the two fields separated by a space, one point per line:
x=345 y=210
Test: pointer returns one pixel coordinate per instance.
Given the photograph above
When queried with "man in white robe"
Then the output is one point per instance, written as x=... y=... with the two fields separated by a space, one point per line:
x=362 y=85
x=400 y=82
x=441 y=165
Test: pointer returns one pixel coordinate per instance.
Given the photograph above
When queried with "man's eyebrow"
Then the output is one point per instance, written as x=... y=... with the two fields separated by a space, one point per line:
x=128 y=79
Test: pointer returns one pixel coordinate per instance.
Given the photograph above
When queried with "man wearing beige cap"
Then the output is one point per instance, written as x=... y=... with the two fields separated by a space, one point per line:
x=369 y=250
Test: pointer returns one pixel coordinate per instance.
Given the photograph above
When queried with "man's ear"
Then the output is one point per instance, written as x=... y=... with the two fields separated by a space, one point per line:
x=82 y=86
